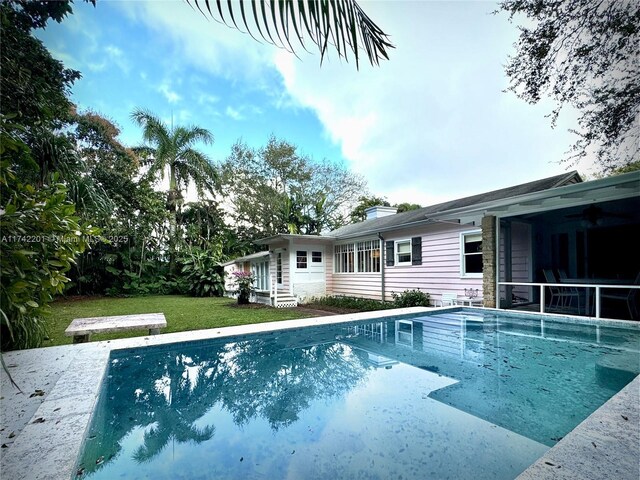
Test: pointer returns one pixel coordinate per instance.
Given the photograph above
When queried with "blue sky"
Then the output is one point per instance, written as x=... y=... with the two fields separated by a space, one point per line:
x=430 y=124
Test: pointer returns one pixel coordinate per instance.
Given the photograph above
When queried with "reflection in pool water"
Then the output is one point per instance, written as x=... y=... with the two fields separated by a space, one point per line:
x=457 y=395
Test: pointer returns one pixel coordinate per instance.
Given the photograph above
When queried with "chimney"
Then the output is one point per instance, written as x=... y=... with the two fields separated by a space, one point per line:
x=379 y=211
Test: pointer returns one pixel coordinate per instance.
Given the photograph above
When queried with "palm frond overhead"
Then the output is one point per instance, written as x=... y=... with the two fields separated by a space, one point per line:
x=341 y=24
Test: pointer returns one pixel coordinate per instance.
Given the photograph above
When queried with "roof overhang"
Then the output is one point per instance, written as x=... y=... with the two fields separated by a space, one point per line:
x=616 y=187
x=246 y=258
x=288 y=237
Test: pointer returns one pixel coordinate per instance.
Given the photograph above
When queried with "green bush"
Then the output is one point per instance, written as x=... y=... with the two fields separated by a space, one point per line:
x=350 y=303
x=411 y=298
x=202 y=273
x=40 y=239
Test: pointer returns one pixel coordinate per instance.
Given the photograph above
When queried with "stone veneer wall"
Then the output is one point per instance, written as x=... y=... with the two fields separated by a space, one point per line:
x=489 y=261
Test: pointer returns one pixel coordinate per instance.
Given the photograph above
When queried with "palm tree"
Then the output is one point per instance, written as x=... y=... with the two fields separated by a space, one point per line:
x=171 y=148
x=339 y=23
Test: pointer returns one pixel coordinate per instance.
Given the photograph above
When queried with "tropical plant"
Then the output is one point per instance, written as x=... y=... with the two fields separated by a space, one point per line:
x=202 y=273
x=171 y=148
x=340 y=24
x=243 y=283
x=41 y=238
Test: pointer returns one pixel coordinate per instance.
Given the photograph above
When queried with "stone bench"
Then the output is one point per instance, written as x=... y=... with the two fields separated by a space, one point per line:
x=82 y=328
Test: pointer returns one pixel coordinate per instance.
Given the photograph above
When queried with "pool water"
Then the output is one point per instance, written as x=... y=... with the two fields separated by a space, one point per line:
x=465 y=394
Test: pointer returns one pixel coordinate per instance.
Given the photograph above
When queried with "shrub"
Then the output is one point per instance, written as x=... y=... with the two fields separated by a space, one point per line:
x=41 y=238
x=202 y=273
x=350 y=303
x=243 y=282
x=411 y=298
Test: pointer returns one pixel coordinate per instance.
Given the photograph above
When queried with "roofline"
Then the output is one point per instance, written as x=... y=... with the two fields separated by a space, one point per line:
x=607 y=182
x=246 y=257
x=573 y=188
x=291 y=236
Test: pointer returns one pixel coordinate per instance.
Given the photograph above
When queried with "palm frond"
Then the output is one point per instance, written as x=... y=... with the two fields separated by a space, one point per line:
x=154 y=130
x=340 y=23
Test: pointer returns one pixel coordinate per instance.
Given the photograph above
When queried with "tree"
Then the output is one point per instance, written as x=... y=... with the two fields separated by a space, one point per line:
x=584 y=54
x=341 y=24
x=171 y=148
x=358 y=213
x=407 y=207
x=41 y=236
x=275 y=190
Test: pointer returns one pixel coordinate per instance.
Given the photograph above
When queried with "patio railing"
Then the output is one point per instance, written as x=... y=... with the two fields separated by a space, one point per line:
x=588 y=287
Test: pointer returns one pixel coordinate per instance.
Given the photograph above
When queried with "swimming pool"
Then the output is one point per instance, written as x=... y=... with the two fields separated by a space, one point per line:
x=461 y=394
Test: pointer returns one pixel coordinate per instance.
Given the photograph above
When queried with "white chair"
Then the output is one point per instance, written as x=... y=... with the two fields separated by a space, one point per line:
x=562 y=275
x=448 y=299
x=561 y=298
x=629 y=297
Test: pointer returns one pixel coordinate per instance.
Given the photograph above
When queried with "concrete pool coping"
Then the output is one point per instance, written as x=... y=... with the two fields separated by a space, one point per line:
x=49 y=428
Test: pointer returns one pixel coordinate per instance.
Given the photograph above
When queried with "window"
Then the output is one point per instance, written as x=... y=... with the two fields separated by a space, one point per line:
x=279 y=269
x=403 y=252
x=368 y=256
x=301 y=259
x=316 y=257
x=471 y=262
x=343 y=255
x=261 y=272
x=360 y=257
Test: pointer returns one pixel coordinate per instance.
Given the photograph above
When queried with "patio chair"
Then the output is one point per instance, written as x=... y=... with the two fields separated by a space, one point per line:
x=448 y=298
x=580 y=292
x=561 y=298
x=630 y=296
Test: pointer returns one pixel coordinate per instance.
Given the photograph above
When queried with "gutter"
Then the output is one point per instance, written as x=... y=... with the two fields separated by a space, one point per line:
x=383 y=262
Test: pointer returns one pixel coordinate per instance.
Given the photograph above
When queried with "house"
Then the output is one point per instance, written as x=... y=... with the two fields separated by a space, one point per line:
x=497 y=243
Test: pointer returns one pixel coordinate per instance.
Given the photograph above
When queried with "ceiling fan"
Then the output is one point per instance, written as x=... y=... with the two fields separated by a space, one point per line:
x=593 y=216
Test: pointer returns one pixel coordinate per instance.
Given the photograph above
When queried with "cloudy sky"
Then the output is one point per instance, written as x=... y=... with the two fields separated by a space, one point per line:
x=433 y=123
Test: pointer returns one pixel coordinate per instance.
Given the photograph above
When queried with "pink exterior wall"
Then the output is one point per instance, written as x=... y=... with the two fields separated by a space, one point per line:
x=439 y=272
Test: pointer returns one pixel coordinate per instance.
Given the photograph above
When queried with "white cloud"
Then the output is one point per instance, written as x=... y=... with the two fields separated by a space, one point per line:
x=207 y=99
x=206 y=44
x=233 y=113
x=432 y=123
x=171 y=95
x=117 y=57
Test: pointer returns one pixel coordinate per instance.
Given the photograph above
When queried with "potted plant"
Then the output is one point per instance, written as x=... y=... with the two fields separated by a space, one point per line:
x=243 y=282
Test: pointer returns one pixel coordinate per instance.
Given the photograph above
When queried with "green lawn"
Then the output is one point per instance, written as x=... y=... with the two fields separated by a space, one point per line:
x=182 y=314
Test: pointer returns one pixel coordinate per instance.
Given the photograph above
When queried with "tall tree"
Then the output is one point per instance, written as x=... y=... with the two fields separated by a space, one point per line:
x=584 y=54
x=341 y=24
x=275 y=190
x=358 y=213
x=172 y=149
x=407 y=207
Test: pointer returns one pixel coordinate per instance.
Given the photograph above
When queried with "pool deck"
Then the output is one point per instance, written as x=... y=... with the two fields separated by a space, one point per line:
x=42 y=428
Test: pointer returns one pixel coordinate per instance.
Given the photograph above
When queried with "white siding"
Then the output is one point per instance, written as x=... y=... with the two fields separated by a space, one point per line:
x=311 y=281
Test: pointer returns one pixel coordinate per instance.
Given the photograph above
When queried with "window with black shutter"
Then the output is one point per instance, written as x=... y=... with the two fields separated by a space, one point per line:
x=416 y=251
x=390 y=254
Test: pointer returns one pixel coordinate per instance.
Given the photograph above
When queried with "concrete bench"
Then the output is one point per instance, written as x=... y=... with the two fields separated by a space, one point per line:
x=82 y=328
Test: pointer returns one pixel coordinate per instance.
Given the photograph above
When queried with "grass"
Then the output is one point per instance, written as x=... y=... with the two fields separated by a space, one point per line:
x=182 y=314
